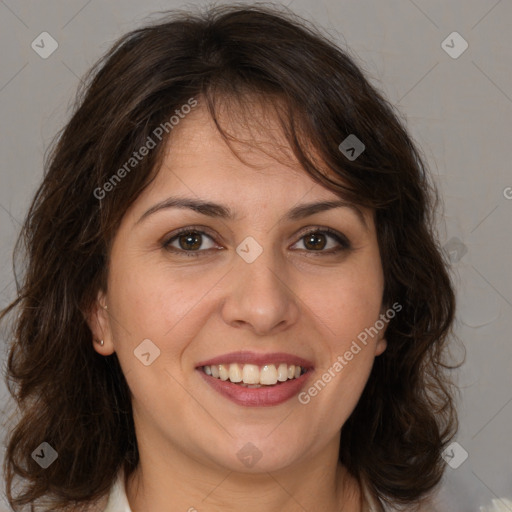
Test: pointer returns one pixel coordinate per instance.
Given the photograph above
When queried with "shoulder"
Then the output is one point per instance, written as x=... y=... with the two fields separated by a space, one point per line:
x=373 y=504
x=117 y=499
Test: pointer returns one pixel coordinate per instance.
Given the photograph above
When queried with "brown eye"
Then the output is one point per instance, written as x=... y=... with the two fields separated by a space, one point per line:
x=189 y=242
x=320 y=239
x=315 y=241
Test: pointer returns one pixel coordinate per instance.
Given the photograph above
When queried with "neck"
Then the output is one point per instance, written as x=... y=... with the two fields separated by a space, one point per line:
x=194 y=487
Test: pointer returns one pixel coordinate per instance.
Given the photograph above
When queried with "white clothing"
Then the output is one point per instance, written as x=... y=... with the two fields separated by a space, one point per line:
x=118 y=501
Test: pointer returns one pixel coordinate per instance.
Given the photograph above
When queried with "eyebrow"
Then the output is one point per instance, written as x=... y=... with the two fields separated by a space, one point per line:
x=223 y=212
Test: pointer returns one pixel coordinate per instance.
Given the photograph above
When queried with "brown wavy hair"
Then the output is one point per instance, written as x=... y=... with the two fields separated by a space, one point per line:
x=78 y=401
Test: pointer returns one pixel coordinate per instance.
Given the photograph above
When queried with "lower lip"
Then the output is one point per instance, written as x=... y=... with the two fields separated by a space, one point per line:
x=257 y=397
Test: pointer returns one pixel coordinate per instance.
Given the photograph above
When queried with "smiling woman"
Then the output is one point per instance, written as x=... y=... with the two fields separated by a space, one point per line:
x=255 y=313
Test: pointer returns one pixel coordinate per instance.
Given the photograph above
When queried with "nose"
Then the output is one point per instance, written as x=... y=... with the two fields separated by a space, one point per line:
x=260 y=297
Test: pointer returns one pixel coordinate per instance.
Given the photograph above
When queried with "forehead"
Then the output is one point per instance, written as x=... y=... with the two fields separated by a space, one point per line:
x=258 y=140
x=259 y=159
x=258 y=176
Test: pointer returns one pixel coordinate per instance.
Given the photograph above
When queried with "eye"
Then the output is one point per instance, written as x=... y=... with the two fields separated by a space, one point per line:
x=188 y=241
x=317 y=240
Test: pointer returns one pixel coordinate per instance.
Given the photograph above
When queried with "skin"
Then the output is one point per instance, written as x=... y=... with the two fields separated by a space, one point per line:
x=292 y=298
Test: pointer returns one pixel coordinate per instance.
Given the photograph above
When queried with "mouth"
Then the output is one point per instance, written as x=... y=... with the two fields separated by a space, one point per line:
x=256 y=379
x=254 y=376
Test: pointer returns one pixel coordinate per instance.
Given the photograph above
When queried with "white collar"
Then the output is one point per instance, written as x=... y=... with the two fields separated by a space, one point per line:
x=118 y=501
x=374 y=505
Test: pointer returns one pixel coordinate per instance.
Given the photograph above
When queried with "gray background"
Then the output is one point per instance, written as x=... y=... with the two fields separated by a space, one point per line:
x=459 y=111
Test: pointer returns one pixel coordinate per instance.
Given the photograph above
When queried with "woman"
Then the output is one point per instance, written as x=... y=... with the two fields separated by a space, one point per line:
x=234 y=298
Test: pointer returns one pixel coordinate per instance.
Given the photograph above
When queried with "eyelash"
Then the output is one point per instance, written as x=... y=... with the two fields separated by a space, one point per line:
x=341 y=239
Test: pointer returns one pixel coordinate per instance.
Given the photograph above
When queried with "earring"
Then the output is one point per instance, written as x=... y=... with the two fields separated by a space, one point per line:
x=101 y=343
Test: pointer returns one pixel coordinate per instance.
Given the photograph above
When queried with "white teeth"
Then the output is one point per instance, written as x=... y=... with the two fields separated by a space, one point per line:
x=235 y=373
x=268 y=375
x=282 y=372
x=223 y=372
x=250 y=375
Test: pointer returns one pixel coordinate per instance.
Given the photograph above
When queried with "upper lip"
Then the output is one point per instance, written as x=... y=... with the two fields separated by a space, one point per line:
x=259 y=359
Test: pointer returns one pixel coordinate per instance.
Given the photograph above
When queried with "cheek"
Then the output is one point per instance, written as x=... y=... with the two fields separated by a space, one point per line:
x=345 y=369
x=158 y=303
x=150 y=304
x=349 y=301
x=346 y=305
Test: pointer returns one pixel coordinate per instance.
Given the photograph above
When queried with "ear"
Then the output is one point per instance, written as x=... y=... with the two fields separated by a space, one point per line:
x=381 y=346
x=99 y=323
x=382 y=343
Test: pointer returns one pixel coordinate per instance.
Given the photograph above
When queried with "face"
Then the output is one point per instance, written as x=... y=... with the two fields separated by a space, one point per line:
x=262 y=281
